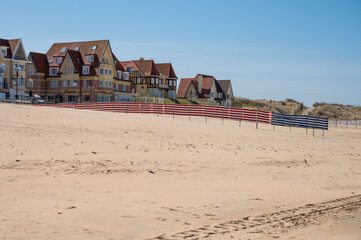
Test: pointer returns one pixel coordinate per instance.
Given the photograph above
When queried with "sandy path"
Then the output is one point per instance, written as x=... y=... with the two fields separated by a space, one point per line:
x=75 y=174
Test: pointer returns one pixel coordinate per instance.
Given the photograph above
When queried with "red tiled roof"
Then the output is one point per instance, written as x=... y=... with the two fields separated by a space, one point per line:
x=207 y=81
x=85 y=48
x=131 y=64
x=148 y=67
x=166 y=70
x=183 y=87
x=40 y=61
x=77 y=60
x=13 y=44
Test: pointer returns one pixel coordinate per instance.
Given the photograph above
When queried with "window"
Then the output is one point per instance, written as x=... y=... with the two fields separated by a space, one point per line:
x=110 y=84
x=57 y=60
x=64 y=83
x=106 y=60
x=124 y=88
x=3 y=66
x=106 y=71
x=100 y=98
x=30 y=83
x=51 y=60
x=156 y=81
x=156 y=92
x=4 y=51
x=16 y=66
x=120 y=74
x=101 y=83
x=138 y=80
x=70 y=60
x=50 y=99
x=76 y=49
x=63 y=50
x=30 y=72
x=65 y=71
x=74 y=70
x=90 y=58
x=174 y=83
x=110 y=72
x=86 y=98
x=85 y=69
x=71 y=98
x=69 y=83
x=75 y=83
x=106 y=83
x=152 y=80
x=126 y=76
x=101 y=71
x=94 y=47
x=34 y=71
x=21 y=81
x=53 y=71
x=54 y=83
x=34 y=83
x=170 y=93
x=116 y=86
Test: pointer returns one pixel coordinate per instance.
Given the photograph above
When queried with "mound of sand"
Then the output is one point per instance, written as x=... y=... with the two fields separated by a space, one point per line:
x=79 y=174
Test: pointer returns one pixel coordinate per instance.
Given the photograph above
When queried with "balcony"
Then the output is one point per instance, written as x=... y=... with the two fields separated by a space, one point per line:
x=164 y=86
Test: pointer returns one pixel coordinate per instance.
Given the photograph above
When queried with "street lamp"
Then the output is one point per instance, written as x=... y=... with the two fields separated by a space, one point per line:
x=16 y=83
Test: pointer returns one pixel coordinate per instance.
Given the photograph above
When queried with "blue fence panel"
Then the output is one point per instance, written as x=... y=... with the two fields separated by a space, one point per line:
x=299 y=121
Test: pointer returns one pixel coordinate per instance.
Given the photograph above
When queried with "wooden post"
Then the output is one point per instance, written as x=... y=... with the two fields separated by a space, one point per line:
x=356 y=124
x=173 y=110
x=306 y=125
x=189 y=112
x=257 y=120
x=141 y=108
x=290 y=128
x=323 y=135
x=336 y=122
x=222 y=117
x=157 y=108
x=205 y=113
x=240 y=118
x=113 y=106
x=274 y=127
x=346 y=123
x=127 y=108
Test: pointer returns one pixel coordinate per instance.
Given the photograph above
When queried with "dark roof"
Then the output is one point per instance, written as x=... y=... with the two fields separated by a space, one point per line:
x=40 y=61
x=207 y=81
x=77 y=60
x=183 y=87
x=118 y=65
x=166 y=70
x=224 y=85
x=11 y=44
x=133 y=64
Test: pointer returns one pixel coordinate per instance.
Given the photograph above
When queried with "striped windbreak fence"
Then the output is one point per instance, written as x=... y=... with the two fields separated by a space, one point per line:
x=238 y=114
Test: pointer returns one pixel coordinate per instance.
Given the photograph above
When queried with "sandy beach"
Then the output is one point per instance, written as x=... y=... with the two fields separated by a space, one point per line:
x=80 y=174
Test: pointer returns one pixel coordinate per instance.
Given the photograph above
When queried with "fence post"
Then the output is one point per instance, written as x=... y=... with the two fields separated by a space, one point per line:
x=113 y=107
x=222 y=117
x=173 y=110
x=346 y=123
x=313 y=128
x=356 y=124
x=240 y=118
x=323 y=135
x=306 y=125
x=336 y=122
x=274 y=127
x=141 y=108
x=127 y=108
x=205 y=112
x=257 y=120
x=189 y=112
x=157 y=108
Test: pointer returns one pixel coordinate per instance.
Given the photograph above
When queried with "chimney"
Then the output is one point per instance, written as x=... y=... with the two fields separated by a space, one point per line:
x=141 y=59
x=200 y=81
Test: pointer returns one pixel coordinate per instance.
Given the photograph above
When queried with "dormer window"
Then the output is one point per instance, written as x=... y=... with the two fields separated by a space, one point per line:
x=63 y=50
x=120 y=74
x=94 y=47
x=126 y=76
x=76 y=48
x=51 y=60
x=57 y=60
x=90 y=58
x=85 y=69
x=129 y=69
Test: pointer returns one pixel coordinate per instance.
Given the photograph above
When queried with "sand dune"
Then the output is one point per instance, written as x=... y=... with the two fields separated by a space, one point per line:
x=79 y=174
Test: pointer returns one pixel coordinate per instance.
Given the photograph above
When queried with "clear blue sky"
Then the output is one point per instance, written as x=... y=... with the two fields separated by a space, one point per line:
x=306 y=50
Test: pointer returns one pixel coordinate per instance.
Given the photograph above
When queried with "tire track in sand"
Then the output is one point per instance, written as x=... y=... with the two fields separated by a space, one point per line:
x=272 y=223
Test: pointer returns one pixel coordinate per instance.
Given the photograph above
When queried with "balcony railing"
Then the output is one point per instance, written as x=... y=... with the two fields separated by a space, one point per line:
x=165 y=86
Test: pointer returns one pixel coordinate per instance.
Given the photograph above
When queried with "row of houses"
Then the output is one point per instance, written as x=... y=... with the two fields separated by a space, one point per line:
x=90 y=72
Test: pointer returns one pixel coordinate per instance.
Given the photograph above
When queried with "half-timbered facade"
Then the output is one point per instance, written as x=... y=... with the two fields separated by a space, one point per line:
x=168 y=80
